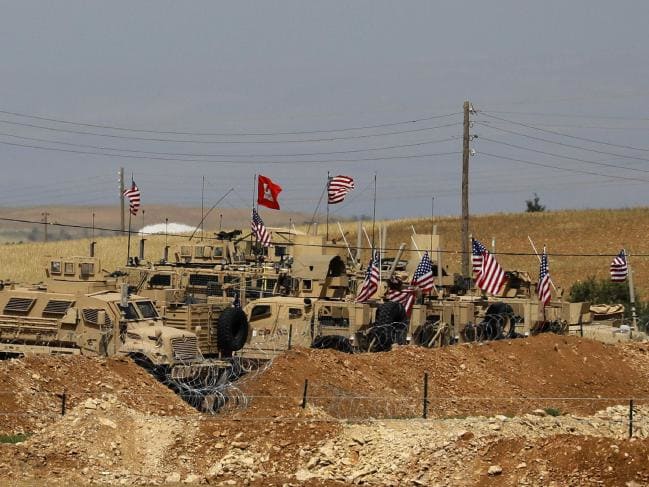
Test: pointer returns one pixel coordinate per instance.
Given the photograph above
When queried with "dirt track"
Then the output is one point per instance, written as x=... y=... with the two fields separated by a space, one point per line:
x=123 y=427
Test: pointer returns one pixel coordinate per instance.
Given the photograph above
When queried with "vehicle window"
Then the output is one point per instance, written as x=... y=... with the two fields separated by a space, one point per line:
x=306 y=285
x=147 y=309
x=185 y=251
x=68 y=268
x=198 y=251
x=129 y=312
x=294 y=313
x=218 y=251
x=333 y=316
x=55 y=267
x=259 y=312
x=87 y=268
x=160 y=280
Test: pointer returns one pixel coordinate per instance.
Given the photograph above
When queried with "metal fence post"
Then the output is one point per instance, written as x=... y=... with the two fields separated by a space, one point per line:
x=630 y=418
x=306 y=387
x=425 y=402
x=63 y=400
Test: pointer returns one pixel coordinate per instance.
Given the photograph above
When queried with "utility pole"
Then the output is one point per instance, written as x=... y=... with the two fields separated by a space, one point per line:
x=466 y=151
x=45 y=214
x=121 y=200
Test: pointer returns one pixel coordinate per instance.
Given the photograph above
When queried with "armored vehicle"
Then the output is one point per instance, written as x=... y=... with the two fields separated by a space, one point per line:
x=80 y=310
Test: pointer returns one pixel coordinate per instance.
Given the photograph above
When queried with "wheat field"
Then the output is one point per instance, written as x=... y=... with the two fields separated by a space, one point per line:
x=564 y=232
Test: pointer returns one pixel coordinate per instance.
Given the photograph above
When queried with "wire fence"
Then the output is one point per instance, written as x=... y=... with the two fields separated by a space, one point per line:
x=615 y=415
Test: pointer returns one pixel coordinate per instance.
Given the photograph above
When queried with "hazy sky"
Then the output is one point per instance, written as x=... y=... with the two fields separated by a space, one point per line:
x=576 y=68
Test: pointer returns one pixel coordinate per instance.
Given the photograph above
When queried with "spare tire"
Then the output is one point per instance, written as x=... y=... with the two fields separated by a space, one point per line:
x=232 y=330
x=390 y=313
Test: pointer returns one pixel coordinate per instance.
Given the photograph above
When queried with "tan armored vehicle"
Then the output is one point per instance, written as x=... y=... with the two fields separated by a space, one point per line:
x=79 y=310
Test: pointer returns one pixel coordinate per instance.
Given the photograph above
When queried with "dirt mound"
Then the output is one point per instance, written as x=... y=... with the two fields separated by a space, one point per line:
x=31 y=388
x=504 y=377
x=566 y=460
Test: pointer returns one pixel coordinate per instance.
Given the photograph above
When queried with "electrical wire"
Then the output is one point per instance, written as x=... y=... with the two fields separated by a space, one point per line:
x=552 y=154
x=568 y=115
x=458 y=252
x=563 y=144
x=191 y=141
x=227 y=134
x=559 y=168
x=182 y=154
x=561 y=134
x=123 y=156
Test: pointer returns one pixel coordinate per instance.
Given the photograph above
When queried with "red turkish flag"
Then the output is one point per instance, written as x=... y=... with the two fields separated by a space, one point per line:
x=267 y=192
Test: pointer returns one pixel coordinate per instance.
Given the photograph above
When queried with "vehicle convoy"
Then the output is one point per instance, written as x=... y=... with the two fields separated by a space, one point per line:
x=79 y=310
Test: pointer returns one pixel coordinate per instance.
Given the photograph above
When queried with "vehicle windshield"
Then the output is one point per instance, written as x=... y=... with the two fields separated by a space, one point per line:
x=129 y=312
x=147 y=309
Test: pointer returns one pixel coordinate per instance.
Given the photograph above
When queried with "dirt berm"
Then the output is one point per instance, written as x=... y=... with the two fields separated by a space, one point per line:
x=122 y=427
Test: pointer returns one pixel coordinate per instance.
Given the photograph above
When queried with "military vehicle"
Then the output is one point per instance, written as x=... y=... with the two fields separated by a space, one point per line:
x=80 y=310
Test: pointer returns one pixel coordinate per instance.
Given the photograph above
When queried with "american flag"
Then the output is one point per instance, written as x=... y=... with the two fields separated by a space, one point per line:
x=490 y=277
x=423 y=277
x=371 y=282
x=258 y=228
x=544 y=280
x=338 y=187
x=406 y=297
x=133 y=196
x=619 y=268
x=477 y=254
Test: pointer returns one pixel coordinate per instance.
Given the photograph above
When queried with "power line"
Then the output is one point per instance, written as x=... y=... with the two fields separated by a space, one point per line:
x=559 y=168
x=226 y=134
x=561 y=134
x=513 y=132
x=552 y=154
x=152 y=158
x=570 y=115
x=191 y=141
x=190 y=154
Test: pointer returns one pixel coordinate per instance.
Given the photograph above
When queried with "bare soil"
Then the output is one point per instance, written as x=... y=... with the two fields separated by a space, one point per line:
x=361 y=425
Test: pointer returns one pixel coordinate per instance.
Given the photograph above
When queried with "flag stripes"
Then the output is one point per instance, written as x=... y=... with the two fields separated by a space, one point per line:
x=259 y=229
x=490 y=277
x=338 y=187
x=405 y=297
x=133 y=196
x=371 y=282
x=619 y=268
x=544 y=280
x=423 y=277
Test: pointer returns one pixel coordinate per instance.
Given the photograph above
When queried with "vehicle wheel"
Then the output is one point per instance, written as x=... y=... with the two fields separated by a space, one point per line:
x=232 y=330
x=389 y=313
x=379 y=338
x=335 y=342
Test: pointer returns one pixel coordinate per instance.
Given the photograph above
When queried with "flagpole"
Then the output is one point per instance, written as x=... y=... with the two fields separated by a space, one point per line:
x=254 y=183
x=202 y=208
x=539 y=258
x=128 y=245
x=327 y=224
x=374 y=212
x=432 y=225
x=634 y=317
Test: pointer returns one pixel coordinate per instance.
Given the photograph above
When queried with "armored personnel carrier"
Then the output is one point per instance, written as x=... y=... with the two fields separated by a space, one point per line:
x=81 y=310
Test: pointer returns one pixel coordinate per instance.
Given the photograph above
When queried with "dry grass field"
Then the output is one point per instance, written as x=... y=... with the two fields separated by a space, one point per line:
x=564 y=232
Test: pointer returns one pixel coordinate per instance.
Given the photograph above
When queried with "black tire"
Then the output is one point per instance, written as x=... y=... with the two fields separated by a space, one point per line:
x=232 y=330
x=389 y=313
x=335 y=342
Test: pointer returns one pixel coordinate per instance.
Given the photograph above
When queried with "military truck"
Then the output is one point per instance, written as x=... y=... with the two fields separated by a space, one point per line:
x=221 y=328
x=80 y=310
